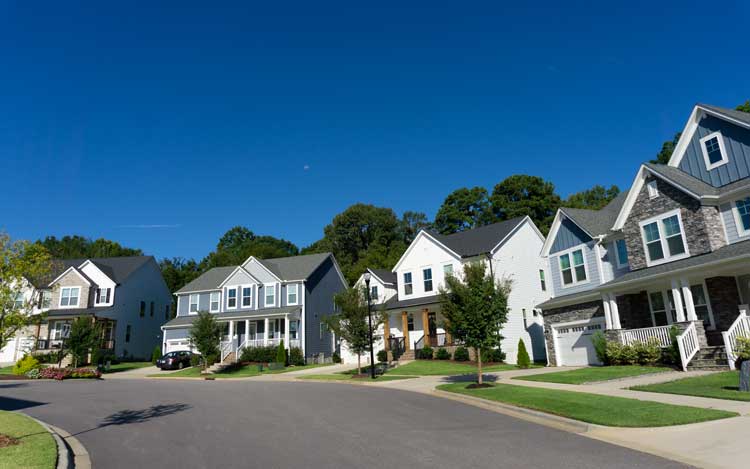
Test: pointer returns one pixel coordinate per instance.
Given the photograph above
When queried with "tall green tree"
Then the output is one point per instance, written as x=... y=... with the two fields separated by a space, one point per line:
x=20 y=263
x=462 y=210
x=412 y=223
x=239 y=243
x=351 y=324
x=521 y=195
x=593 y=199
x=744 y=107
x=666 y=150
x=475 y=309
x=205 y=336
x=85 y=335
x=79 y=247
x=178 y=272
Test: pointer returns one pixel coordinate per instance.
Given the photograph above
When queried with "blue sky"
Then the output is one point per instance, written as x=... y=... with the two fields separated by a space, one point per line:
x=162 y=126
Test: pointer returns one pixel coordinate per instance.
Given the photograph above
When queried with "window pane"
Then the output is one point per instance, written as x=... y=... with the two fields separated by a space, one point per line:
x=408 y=289
x=651 y=232
x=622 y=251
x=660 y=318
x=580 y=273
x=699 y=296
x=577 y=257
x=671 y=226
x=567 y=276
x=657 y=301
x=676 y=246
x=713 y=150
x=743 y=207
x=655 y=251
x=565 y=262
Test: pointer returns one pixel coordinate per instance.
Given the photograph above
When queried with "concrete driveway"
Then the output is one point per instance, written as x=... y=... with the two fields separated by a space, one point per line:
x=198 y=424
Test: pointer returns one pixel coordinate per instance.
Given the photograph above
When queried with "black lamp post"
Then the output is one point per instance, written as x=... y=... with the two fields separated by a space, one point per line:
x=369 y=320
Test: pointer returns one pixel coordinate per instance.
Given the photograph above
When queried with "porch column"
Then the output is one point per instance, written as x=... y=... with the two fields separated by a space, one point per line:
x=614 y=311
x=286 y=331
x=687 y=293
x=247 y=330
x=677 y=300
x=387 y=332
x=231 y=330
x=405 y=329
x=607 y=312
x=426 y=326
x=265 y=331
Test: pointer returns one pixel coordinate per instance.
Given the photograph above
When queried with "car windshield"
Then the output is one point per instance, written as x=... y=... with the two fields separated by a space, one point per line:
x=170 y=355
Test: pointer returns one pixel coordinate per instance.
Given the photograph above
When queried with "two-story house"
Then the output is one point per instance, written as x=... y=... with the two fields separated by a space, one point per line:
x=673 y=250
x=126 y=296
x=412 y=300
x=262 y=302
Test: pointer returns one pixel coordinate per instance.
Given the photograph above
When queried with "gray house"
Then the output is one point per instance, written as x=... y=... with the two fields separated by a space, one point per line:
x=262 y=302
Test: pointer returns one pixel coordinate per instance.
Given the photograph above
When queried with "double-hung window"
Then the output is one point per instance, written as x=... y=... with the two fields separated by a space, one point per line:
x=232 y=297
x=742 y=216
x=542 y=280
x=658 y=308
x=102 y=295
x=270 y=295
x=447 y=269
x=247 y=297
x=69 y=296
x=193 y=305
x=291 y=294
x=714 y=153
x=427 y=276
x=215 y=302
x=700 y=301
x=663 y=238
x=573 y=267
x=622 y=253
x=18 y=301
x=46 y=299
x=408 y=287
x=374 y=292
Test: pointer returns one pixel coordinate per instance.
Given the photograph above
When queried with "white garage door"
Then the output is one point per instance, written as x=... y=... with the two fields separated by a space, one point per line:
x=574 y=343
x=177 y=345
x=8 y=353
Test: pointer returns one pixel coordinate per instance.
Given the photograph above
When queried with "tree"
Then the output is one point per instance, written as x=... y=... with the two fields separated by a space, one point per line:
x=239 y=243
x=744 y=107
x=593 y=199
x=411 y=224
x=666 y=150
x=205 y=336
x=79 y=247
x=281 y=356
x=20 y=263
x=521 y=195
x=463 y=210
x=178 y=272
x=475 y=309
x=85 y=335
x=522 y=359
x=351 y=323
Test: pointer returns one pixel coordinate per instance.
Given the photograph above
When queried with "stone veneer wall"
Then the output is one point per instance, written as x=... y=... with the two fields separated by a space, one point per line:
x=72 y=279
x=725 y=300
x=577 y=312
x=703 y=228
x=634 y=311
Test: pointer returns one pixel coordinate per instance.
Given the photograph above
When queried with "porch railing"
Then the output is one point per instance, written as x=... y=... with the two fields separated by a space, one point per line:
x=688 y=345
x=739 y=328
x=646 y=334
x=227 y=347
x=419 y=344
x=52 y=344
x=295 y=343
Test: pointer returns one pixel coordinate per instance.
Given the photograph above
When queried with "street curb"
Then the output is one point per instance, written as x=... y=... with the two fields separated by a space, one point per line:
x=81 y=458
x=64 y=456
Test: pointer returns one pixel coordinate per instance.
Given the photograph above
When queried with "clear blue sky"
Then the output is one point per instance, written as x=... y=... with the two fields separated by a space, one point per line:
x=162 y=127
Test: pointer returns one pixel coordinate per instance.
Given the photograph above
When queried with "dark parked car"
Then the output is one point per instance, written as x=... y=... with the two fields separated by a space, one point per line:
x=174 y=360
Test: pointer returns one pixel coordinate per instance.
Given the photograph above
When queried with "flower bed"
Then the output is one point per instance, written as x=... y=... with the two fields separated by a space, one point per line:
x=64 y=373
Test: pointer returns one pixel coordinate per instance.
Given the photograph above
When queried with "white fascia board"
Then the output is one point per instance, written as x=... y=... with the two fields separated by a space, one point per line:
x=88 y=261
x=382 y=282
x=691 y=126
x=556 y=223
x=526 y=219
x=65 y=273
x=632 y=196
x=423 y=233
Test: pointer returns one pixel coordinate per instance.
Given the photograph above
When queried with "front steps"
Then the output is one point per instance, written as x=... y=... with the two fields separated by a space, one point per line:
x=709 y=358
x=407 y=356
x=220 y=366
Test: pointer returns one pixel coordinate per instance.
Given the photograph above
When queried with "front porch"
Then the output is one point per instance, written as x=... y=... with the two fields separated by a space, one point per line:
x=269 y=331
x=52 y=335
x=411 y=329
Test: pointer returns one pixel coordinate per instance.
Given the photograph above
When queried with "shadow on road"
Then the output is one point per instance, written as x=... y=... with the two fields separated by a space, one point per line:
x=469 y=378
x=9 y=403
x=126 y=417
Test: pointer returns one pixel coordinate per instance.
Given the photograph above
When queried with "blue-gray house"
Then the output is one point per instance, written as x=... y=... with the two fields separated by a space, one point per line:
x=262 y=302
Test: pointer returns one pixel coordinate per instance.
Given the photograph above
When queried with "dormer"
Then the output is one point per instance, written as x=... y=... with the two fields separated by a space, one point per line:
x=71 y=289
x=104 y=293
x=237 y=292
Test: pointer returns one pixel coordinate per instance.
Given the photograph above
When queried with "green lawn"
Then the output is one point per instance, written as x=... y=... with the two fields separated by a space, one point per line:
x=724 y=385
x=594 y=374
x=349 y=377
x=242 y=372
x=36 y=448
x=593 y=408
x=127 y=366
x=444 y=367
x=6 y=370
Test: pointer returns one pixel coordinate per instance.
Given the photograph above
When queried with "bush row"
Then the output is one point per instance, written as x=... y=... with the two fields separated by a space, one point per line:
x=461 y=354
x=638 y=353
x=272 y=354
x=64 y=373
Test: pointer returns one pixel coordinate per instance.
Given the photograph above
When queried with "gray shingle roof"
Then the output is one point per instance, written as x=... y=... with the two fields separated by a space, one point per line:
x=116 y=268
x=394 y=304
x=478 y=240
x=597 y=222
x=209 y=280
x=384 y=275
x=734 y=114
x=184 y=321
x=695 y=185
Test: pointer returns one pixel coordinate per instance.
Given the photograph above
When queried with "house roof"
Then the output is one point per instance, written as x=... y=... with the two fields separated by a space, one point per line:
x=385 y=275
x=183 y=321
x=731 y=113
x=74 y=312
x=597 y=222
x=393 y=303
x=116 y=268
x=695 y=185
x=208 y=280
x=478 y=240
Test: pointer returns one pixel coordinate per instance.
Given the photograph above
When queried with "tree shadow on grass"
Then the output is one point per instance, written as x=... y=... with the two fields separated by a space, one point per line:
x=126 y=417
x=469 y=378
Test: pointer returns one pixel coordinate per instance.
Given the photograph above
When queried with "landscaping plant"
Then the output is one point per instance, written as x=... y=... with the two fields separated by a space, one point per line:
x=205 y=335
x=83 y=338
x=425 y=353
x=461 y=354
x=265 y=354
x=24 y=365
x=442 y=354
x=742 y=351
x=281 y=357
x=522 y=360
x=493 y=355
x=599 y=340
x=382 y=356
x=351 y=323
x=295 y=357
x=155 y=355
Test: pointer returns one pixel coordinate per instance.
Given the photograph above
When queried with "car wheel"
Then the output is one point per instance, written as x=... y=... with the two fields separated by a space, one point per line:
x=180 y=366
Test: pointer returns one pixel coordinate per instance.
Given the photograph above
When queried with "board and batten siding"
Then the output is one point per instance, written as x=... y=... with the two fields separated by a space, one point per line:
x=737 y=144
x=319 y=291
x=730 y=223
x=592 y=272
x=568 y=235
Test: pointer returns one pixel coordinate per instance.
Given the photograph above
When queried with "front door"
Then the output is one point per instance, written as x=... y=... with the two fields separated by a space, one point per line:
x=252 y=329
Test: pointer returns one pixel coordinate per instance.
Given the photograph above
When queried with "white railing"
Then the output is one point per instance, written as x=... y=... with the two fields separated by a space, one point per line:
x=646 y=334
x=688 y=345
x=740 y=328
x=226 y=348
x=275 y=342
x=295 y=343
x=239 y=350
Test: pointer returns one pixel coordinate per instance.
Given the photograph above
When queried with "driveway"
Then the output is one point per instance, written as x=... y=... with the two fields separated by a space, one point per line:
x=198 y=424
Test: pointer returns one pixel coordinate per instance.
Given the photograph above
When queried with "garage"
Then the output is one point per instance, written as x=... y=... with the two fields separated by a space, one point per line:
x=176 y=345
x=573 y=343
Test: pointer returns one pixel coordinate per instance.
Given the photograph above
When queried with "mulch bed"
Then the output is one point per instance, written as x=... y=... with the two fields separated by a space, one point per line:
x=362 y=375
x=6 y=441
x=10 y=377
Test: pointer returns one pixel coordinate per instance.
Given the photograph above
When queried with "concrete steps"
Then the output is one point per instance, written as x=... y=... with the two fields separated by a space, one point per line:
x=406 y=356
x=709 y=358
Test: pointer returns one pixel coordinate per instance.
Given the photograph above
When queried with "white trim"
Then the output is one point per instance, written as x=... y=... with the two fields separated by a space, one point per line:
x=662 y=239
x=78 y=297
x=724 y=158
x=197 y=303
x=65 y=273
x=296 y=294
x=423 y=233
x=403 y=274
x=265 y=294
x=88 y=261
x=556 y=326
x=236 y=296
x=653 y=189
x=424 y=280
x=224 y=282
x=556 y=223
x=210 y=302
x=741 y=231
x=241 y=296
x=691 y=126
x=569 y=252
x=255 y=259
x=376 y=278
x=512 y=232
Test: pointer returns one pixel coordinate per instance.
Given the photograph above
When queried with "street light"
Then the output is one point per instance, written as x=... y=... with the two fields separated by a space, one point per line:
x=369 y=320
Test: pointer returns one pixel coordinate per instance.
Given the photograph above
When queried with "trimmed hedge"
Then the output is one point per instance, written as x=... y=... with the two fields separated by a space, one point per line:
x=493 y=355
x=424 y=354
x=461 y=354
x=266 y=354
x=295 y=357
x=442 y=354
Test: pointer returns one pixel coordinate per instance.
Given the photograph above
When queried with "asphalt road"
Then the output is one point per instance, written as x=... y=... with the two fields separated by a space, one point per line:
x=221 y=424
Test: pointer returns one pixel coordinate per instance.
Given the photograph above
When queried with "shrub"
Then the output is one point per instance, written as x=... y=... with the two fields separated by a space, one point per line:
x=493 y=355
x=647 y=353
x=742 y=350
x=266 y=354
x=24 y=365
x=66 y=373
x=51 y=357
x=33 y=374
x=425 y=353
x=442 y=354
x=522 y=360
x=619 y=354
x=281 y=356
x=295 y=357
x=336 y=357
x=156 y=354
x=382 y=356
x=461 y=354
x=672 y=354
x=599 y=340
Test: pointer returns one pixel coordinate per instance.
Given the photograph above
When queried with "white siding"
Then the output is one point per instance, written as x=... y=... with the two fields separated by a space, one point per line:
x=422 y=254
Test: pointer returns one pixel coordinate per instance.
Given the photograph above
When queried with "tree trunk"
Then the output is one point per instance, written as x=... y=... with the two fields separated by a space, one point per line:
x=479 y=365
x=359 y=364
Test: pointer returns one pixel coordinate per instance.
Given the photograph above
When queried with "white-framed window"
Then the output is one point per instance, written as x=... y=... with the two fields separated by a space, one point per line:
x=293 y=329
x=741 y=210
x=702 y=305
x=573 y=267
x=408 y=286
x=247 y=297
x=653 y=189
x=291 y=294
x=714 y=153
x=542 y=280
x=622 y=253
x=231 y=298
x=69 y=296
x=658 y=305
x=18 y=301
x=214 y=302
x=427 y=277
x=270 y=295
x=193 y=305
x=374 y=292
x=102 y=295
x=663 y=238
x=447 y=269
x=46 y=299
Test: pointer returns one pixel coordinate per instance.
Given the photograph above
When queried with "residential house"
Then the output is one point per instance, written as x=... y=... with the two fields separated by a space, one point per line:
x=262 y=302
x=671 y=251
x=126 y=296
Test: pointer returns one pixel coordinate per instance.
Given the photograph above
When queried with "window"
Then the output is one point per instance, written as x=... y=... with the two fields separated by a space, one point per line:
x=102 y=295
x=653 y=190
x=542 y=280
x=69 y=296
x=714 y=153
x=247 y=297
x=622 y=253
x=215 y=301
x=127 y=333
x=427 y=276
x=270 y=295
x=142 y=311
x=374 y=292
x=573 y=267
x=292 y=329
x=408 y=288
x=193 y=304
x=291 y=294
x=663 y=238
x=658 y=309
x=151 y=309
x=232 y=298
x=18 y=301
x=410 y=322
x=167 y=311
x=323 y=330
x=700 y=301
x=448 y=269
x=60 y=330
x=742 y=216
x=46 y=299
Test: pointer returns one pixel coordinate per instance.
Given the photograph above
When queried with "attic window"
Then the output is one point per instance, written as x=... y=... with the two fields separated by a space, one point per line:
x=653 y=190
x=714 y=153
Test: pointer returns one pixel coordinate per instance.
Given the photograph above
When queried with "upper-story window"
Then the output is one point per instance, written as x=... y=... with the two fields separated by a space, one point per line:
x=427 y=276
x=270 y=295
x=193 y=304
x=46 y=299
x=232 y=297
x=573 y=267
x=142 y=309
x=214 y=301
x=374 y=292
x=542 y=280
x=247 y=297
x=714 y=153
x=742 y=216
x=291 y=294
x=408 y=287
x=622 y=253
x=69 y=296
x=653 y=190
x=663 y=238
x=102 y=295
x=18 y=301
x=447 y=269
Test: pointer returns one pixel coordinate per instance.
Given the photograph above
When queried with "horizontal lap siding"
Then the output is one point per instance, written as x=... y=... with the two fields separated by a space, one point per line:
x=592 y=270
x=727 y=215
